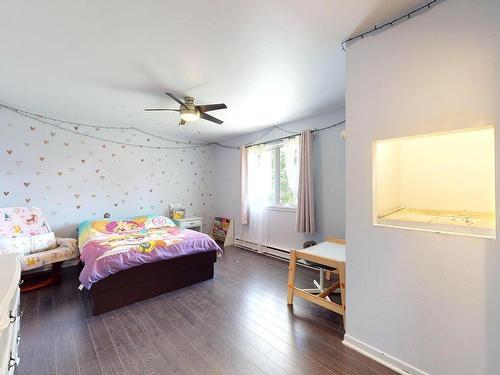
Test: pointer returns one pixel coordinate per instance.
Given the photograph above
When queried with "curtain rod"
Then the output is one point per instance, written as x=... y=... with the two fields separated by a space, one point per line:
x=294 y=135
x=273 y=140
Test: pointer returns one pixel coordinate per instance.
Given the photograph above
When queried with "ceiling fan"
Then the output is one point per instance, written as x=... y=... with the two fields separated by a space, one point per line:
x=191 y=112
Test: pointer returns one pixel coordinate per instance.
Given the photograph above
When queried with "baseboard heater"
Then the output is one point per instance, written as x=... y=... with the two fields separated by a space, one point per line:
x=267 y=250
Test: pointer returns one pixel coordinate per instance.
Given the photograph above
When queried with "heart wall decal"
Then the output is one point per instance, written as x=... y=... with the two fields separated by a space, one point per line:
x=42 y=167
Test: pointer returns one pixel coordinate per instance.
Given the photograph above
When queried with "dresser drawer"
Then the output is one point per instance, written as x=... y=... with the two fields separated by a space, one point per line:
x=9 y=345
x=191 y=223
x=10 y=314
x=14 y=345
x=14 y=309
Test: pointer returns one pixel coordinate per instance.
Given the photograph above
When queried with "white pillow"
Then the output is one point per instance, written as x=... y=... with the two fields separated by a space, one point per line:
x=28 y=245
x=158 y=222
x=42 y=242
x=14 y=245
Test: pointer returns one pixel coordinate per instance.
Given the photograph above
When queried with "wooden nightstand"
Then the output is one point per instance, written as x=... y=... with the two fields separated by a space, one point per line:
x=194 y=223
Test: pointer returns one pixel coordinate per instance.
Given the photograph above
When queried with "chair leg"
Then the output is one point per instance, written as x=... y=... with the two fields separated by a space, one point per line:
x=329 y=290
x=342 y=290
x=56 y=270
x=40 y=280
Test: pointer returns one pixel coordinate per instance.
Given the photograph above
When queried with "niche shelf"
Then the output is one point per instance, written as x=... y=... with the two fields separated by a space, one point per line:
x=439 y=182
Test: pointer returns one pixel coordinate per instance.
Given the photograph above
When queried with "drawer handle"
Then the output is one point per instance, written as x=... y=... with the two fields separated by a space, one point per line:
x=12 y=362
x=21 y=282
x=12 y=318
x=18 y=338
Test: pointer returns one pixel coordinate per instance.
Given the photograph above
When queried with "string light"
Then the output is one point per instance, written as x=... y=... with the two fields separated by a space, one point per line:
x=396 y=21
x=185 y=144
x=293 y=133
x=76 y=125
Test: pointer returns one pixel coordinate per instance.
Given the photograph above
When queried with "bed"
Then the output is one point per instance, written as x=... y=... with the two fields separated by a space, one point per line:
x=129 y=260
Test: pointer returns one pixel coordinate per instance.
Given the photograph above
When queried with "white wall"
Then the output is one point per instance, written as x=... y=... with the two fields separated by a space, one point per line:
x=329 y=174
x=387 y=172
x=450 y=172
x=430 y=300
x=74 y=178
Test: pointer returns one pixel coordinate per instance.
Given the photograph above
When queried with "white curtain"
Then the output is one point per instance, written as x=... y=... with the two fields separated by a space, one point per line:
x=259 y=182
x=244 y=185
x=290 y=149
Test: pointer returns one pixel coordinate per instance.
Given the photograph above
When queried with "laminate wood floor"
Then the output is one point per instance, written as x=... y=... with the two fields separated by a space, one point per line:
x=237 y=323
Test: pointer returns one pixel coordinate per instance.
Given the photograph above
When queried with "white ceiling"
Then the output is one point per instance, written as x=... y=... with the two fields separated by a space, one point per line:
x=103 y=62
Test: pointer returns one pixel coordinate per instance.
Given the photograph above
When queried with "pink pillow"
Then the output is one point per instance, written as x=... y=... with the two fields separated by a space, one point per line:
x=22 y=222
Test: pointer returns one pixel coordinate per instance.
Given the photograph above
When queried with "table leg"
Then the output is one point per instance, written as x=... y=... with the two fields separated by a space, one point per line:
x=341 y=270
x=291 y=275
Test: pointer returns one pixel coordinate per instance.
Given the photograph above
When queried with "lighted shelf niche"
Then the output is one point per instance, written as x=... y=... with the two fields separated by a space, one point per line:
x=440 y=182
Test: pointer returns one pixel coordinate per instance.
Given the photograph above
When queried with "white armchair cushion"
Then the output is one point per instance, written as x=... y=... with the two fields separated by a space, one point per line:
x=14 y=245
x=67 y=249
x=28 y=245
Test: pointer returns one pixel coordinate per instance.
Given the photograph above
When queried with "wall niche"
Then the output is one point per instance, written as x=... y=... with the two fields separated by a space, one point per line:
x=439 y=182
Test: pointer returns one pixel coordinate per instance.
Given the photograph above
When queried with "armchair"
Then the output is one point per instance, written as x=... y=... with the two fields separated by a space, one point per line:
x=25 y=230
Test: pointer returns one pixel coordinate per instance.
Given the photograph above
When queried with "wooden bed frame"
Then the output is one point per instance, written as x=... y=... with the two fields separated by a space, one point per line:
x=149 y=280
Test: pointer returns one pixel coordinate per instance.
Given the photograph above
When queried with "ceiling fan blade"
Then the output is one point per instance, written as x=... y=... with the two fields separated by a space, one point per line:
x=177 y=100
x=211 y=107
x=161 y=109
x=206 y=116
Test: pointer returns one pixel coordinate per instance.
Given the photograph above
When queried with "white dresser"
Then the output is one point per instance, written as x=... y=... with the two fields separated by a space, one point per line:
x=10 y=314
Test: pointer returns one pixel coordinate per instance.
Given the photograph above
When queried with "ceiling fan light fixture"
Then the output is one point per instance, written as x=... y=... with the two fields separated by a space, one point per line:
x=190 y=115
x=190 y=112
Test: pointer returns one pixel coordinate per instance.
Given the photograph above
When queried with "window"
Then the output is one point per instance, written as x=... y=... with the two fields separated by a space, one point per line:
x=284 y=170
x=273 y=173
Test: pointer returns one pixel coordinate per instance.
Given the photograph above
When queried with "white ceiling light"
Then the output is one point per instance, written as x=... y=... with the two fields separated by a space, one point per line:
x=190 y=115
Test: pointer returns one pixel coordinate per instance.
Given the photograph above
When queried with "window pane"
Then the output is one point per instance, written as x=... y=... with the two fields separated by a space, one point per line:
x=288 y=175
x=271 y=198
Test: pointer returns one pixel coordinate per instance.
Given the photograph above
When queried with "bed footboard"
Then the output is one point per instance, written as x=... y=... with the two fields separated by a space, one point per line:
x=149 y=280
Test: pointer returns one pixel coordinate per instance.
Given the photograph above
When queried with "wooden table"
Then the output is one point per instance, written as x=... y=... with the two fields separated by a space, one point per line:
x=330 y=253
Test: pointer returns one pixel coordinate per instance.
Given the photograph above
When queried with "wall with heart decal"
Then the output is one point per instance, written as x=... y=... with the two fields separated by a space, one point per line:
x=73 y=178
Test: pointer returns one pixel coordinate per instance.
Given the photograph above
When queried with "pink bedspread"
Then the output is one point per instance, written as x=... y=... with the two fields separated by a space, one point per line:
x=108 y=254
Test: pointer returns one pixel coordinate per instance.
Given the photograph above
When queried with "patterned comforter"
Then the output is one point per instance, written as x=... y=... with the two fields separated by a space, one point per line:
x=108 y=247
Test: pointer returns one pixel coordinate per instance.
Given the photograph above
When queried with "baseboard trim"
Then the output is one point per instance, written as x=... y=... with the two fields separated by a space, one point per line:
x=378 y=355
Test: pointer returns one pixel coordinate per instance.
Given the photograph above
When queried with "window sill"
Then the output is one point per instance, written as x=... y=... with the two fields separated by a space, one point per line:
x=282 y=208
